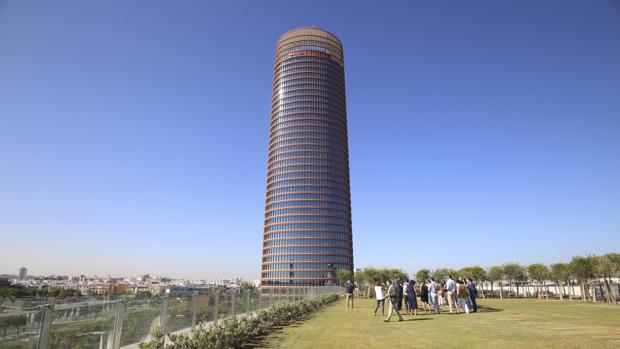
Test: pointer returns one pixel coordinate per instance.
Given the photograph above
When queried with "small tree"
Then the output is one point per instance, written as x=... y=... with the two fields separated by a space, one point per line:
x=478 y=274
x=371 y=276
x=516 y=272
x=560 y=274
x=604 y=269
x=583 y=269
x=394 y=273
x=465 y=273
x=496 y=274
x=443 y=273
x=344 y=275
x=18 y=321
x=612 y=270
x=538 y=272
x=422 y=274
x=5 y=323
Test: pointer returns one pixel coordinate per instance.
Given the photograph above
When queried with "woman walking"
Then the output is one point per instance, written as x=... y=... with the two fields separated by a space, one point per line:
x=411 y=295
x=424 y=296
x=380 y=297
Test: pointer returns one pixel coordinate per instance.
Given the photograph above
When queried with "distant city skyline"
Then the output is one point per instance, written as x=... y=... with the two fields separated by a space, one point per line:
x=133 y=134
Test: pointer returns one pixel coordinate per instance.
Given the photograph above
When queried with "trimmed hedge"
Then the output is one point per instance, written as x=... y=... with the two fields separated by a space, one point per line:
x=234 y=333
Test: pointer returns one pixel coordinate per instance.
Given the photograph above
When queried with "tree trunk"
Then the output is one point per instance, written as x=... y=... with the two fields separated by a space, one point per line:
x=482 y=289
x=561 y=291
x=501 y=294
x=584 y=292
x=608 y=290
x=547 y=292
x=517 y=285
x=600 y=287
x=593 y=288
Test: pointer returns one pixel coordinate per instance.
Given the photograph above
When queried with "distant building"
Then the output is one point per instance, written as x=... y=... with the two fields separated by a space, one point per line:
x=156 y=286
x=23 y=272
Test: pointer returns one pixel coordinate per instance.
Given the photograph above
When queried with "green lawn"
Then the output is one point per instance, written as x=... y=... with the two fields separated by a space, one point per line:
x=514 y=323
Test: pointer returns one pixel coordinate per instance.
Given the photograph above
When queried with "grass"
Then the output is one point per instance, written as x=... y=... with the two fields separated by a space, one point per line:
x=514 y=323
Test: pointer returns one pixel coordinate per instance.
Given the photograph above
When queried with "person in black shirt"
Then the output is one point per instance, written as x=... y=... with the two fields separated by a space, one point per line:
x=399 y=290
x=424 y=296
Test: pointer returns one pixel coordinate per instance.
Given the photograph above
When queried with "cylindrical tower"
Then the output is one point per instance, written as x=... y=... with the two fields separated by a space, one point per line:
x=307 y=235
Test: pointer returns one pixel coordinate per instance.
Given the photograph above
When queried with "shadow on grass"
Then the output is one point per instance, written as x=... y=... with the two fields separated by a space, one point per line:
x=420 y=319
x=487 y=309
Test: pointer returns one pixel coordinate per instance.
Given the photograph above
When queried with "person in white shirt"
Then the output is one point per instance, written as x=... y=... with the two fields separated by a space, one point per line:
x=451 y=295
x=432 y=295
x=380 y=297
x=405 y=295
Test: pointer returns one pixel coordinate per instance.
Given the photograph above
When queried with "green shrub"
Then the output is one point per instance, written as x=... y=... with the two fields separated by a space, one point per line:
x=234 y=333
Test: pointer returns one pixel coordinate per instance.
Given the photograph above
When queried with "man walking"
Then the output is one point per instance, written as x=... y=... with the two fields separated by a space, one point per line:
x=349 y=287
x=392 y=295
x=473 y=294
x=451 y=294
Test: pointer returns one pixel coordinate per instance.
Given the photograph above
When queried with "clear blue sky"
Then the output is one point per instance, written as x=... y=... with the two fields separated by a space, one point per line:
x=133 y=134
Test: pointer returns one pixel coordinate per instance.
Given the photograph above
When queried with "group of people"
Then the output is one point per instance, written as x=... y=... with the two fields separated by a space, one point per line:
x=461 y=294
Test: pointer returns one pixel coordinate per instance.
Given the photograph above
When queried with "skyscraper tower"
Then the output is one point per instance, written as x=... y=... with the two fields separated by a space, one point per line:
x=307 y=235
x=23 y=272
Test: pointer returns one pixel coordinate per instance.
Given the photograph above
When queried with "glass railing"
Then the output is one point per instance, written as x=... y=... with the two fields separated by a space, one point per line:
x=103 y=322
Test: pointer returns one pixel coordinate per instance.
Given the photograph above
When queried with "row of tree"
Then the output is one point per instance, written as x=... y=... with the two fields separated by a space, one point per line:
x=588 y=272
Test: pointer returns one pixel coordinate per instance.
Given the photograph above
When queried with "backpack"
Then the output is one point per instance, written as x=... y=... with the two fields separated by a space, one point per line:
x=462 y=291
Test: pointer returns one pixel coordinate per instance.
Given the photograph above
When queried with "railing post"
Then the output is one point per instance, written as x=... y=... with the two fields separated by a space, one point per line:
x=260 y=298
x=118 y=322
x=272 y=299
x=194 y=310
x=163 y=314
x=233 y=298
x=46 y=323
x=247 y=301
x=216 y=306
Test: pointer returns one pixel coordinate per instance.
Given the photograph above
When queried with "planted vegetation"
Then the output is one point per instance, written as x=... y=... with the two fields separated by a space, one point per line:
x=237 y=332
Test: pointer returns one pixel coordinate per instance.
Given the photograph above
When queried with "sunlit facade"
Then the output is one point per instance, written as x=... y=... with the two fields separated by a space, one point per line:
x=307 y=235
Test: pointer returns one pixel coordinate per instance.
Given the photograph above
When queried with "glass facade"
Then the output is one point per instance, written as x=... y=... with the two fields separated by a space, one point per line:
x=307 y=235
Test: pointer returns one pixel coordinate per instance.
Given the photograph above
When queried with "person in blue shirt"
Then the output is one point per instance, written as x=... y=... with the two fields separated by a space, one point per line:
x=411 y=294
x=350 y=287
x=473 y=293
